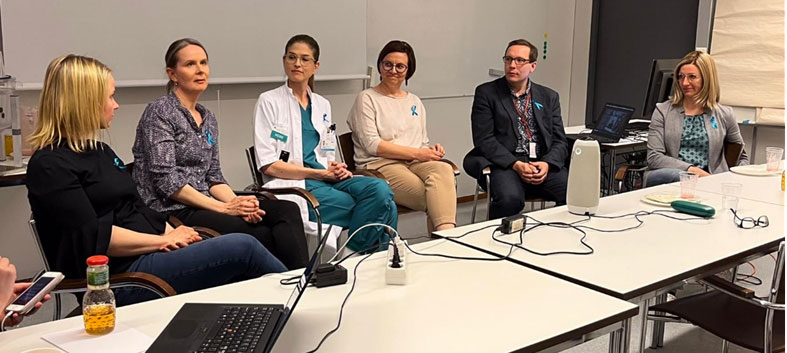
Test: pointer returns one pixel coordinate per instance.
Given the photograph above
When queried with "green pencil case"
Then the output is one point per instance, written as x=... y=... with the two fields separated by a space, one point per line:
x=693 y=208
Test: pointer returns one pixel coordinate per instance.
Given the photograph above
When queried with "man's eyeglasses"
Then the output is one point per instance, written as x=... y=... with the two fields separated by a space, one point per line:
x=519 y=61
x=398 y=68
x=748 y=222
x=292 y=59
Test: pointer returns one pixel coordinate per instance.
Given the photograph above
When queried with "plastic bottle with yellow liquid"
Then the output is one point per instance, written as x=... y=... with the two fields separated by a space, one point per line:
x=98 y=304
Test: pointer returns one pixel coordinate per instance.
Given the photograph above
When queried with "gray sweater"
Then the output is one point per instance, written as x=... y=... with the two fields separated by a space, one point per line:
x=666 y=128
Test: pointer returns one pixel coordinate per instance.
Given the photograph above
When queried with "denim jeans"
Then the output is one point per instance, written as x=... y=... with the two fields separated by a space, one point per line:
x=662 y=176
x=226 y=259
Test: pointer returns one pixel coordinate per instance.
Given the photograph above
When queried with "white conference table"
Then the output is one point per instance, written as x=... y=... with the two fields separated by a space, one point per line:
x=632 y=263
x=448 y=305
x=759 y=188
x=641 y=263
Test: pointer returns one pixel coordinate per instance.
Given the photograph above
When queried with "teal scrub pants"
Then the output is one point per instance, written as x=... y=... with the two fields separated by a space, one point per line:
x=353 y=203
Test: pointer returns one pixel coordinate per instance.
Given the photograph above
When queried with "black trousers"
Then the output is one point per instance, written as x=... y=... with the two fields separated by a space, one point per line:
x=509 y=190
x=280 y=231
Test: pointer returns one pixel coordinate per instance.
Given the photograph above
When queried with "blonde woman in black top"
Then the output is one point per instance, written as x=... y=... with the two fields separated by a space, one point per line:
x=85 y=203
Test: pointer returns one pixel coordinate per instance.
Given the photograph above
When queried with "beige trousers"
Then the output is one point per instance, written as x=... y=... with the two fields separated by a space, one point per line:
x=422 y=186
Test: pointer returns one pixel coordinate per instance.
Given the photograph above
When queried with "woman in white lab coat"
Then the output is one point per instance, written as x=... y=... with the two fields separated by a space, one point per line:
x=294 y=139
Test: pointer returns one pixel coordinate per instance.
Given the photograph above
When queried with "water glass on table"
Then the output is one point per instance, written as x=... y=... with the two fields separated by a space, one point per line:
x=774 y=158
x=730 y=193
x=688 y=182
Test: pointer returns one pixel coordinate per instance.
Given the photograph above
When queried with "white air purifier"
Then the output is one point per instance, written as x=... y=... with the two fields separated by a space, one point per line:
x=584 y=178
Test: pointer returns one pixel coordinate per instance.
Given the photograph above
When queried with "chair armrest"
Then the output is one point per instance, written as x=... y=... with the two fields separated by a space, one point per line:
x=174 y=221
x=729 y=287
x=370 y=173
x=253 y=191
x=628 y=168
x=203 y=232
x=486 y=171
x=621 y=173
x=138 y=279
x=300 y=192
x=453 y=166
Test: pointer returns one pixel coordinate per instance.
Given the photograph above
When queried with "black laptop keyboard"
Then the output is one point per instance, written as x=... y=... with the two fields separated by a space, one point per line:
x=238 y=329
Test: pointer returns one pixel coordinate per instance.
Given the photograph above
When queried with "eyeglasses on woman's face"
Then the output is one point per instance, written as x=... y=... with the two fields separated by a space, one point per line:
x=291 y=58
x=391 y=67
x=691 y=77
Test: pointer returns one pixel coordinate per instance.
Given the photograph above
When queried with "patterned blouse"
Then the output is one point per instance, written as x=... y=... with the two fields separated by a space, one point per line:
x=171 y=151
x=523 y=106
x=694 y=142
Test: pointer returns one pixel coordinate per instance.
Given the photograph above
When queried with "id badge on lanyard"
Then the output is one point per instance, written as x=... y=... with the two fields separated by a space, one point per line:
x=328 y=142
x=531 y=146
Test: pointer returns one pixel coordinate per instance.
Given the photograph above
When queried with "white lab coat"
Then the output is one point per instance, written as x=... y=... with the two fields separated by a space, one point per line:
x=279 y=109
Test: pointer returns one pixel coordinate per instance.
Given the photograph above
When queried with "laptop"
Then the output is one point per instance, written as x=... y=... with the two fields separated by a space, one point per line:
x=212 y=327
x=612 y=123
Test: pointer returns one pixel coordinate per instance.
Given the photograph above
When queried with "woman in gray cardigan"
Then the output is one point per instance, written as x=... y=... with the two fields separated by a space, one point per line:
x=688 y=132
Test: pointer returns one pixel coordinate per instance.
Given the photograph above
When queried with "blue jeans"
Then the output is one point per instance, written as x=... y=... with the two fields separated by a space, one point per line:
x=226 y=259
x=662 y=176
x=353 y=203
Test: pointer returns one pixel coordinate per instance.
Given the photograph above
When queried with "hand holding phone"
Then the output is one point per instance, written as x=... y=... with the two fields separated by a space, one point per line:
x=35 y=292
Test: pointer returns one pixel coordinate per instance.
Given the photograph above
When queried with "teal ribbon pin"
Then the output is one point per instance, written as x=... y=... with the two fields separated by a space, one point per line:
x=713 y=122
x=413 y=110
x=119 y=164
x=538 y=105
x=211 y=141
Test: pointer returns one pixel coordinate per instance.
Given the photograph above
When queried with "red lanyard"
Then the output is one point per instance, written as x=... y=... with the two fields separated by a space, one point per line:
x=523 y=114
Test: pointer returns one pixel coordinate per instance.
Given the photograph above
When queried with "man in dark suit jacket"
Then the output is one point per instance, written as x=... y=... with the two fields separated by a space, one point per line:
x=518 y=133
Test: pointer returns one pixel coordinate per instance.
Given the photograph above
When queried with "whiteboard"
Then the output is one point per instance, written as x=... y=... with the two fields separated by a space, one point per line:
x=244 y=38
x=466 y=38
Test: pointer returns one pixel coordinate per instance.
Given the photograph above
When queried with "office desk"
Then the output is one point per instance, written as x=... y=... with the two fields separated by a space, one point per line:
x=13 y=176
x=642 y=263
x=447 y=306
x=610 y=152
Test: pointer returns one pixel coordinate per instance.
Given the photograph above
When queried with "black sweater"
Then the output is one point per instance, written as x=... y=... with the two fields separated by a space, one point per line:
x=76 y=198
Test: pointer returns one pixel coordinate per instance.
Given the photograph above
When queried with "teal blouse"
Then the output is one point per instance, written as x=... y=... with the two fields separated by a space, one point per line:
x=311 y=138
x=694 y=141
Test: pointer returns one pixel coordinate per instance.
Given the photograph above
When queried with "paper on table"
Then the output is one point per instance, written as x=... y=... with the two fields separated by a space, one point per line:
x=123 y=339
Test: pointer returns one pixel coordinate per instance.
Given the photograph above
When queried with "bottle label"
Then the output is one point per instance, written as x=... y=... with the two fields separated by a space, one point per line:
x=99 y=278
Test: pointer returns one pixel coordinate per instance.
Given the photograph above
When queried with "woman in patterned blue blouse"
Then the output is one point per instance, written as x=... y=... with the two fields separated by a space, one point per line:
x=688 y=132
x=177 y=170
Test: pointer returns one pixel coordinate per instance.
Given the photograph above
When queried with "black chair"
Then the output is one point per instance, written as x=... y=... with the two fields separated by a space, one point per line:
x=120 y=280
x=734 y=313
x=256 y=188
x=478 y=167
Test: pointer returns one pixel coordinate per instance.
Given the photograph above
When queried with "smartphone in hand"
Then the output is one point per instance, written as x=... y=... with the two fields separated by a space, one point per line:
x=33 y=294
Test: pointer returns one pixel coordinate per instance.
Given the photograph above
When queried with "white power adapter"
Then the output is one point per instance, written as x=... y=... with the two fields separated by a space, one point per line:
x=396 y=275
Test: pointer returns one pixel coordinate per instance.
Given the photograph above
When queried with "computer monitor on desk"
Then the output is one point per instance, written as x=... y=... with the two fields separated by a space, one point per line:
x=660 y=84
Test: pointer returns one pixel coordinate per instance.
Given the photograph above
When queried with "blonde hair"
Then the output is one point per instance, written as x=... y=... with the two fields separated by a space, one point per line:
x=72 y=103
x=708 y=96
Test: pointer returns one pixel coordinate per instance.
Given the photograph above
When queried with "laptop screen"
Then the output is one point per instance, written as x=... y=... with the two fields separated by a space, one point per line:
x=300 y=287
x=613 y=120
